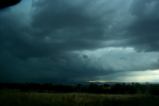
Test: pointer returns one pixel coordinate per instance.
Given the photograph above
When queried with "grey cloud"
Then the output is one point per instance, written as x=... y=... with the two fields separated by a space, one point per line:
x=61 y=69
x=123 y=59
x=144 y=29
x=39 y=44
x=26 y=55
x=68 y=24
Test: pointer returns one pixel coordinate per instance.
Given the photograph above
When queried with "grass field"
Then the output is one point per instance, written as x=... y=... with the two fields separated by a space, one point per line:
x=17 y=98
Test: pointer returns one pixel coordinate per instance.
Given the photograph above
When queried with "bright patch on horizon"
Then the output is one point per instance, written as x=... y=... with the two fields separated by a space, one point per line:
x=143 y=76
x=150 y=76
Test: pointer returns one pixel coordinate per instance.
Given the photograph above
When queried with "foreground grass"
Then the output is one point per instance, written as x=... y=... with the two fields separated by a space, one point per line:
x=16 y=98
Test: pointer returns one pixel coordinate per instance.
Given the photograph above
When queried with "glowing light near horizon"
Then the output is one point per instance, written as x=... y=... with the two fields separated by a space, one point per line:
x=136 y=76
x=144 y=76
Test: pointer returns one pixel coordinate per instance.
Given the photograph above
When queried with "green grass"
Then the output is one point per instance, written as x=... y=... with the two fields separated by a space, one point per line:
x=17 y=98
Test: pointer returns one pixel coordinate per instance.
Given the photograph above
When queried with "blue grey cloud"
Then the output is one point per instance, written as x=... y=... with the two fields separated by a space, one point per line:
x=77 y=40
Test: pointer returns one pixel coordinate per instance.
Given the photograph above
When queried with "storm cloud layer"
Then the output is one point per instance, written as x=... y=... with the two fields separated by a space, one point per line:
x=78 y=40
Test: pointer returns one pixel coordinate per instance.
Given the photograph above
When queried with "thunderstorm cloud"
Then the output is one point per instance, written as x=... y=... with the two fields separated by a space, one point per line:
x=62 y=41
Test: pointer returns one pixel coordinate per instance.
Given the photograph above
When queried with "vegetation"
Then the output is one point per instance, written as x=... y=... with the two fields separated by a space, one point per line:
x=79 y=95
x=112 y=88
x=17 y=98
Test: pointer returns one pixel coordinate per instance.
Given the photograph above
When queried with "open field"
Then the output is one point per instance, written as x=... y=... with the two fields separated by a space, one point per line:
x=17 y=98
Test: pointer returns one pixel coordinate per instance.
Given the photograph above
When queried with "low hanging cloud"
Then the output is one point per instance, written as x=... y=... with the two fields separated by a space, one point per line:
x=123 y=59
x=77 y=40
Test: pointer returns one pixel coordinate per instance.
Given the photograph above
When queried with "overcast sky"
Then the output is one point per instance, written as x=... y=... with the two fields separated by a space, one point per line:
x=62 y=41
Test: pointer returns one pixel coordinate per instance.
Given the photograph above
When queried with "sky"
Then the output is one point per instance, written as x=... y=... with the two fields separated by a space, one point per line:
x=65 y=41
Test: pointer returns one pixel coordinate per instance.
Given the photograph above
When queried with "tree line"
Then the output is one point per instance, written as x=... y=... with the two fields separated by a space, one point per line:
x=117 y=88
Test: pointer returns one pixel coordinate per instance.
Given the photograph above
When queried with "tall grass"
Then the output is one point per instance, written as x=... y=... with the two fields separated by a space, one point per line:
x=17 y=98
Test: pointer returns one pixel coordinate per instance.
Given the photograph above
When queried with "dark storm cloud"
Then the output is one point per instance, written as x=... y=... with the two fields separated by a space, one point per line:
x=26 y=56
x=47 y=41
x=68 y=24
x=30 y=55
x=146 y=24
